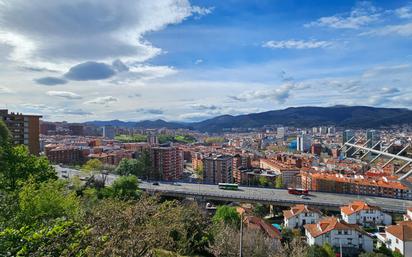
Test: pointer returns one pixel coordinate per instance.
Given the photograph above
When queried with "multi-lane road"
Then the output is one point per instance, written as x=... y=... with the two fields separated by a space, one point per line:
x=262 y=195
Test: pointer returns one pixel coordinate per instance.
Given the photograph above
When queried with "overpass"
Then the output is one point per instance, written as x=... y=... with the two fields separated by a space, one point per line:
x=279 y=197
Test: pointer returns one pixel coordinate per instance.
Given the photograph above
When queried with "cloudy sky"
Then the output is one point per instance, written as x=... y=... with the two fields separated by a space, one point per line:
x=187 y=60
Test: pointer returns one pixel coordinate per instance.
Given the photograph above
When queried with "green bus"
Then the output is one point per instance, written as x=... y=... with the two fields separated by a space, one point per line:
x=228 y=186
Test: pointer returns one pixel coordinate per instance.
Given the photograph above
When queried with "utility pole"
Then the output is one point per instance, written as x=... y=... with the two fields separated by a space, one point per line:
x=241 y=235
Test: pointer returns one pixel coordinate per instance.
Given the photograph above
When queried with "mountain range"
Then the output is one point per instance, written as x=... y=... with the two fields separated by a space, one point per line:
x=340 y=116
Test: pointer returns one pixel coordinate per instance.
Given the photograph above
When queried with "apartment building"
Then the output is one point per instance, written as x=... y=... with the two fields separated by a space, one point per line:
x=217 y=169
x=398 y=238
x=25 y=129
x=361 y=213
x=167 y=163
x=339 y=233
x=362 y=185
x=287 y=171
x=300 y=215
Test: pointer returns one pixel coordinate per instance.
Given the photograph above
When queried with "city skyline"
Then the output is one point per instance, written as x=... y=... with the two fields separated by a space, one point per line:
x=189 y=61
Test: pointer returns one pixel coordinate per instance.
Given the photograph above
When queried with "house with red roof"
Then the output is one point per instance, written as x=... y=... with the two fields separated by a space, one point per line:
x=364 y=214
x=398 y=238
x=338 y=233
x=300 y=215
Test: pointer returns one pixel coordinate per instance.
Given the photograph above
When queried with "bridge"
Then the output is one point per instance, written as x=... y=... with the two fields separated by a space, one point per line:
x=277 y=197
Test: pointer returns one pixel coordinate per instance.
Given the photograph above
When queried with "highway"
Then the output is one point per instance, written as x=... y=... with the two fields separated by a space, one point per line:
x=260 y=195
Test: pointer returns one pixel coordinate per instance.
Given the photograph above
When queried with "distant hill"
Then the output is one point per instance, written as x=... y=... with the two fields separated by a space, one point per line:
x=341 y=116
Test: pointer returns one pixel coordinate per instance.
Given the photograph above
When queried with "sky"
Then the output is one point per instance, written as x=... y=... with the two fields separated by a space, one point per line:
x=182 y=60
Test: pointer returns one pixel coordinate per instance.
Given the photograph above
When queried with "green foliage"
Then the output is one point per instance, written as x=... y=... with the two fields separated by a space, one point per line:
x=287 y=235
x=138 y=167
x=92 y=165
x=263 y=181
x=316 y=251
x=260 y=210
x=120 y=228
x=52 y=199
x=329 y=250
x=127 y=167
x=279 y=182
x=18 y=165
x=131 y=138
x=60 y=238
x=212 y=140
x=126 y=188
x=5 y=135
x=226 y=214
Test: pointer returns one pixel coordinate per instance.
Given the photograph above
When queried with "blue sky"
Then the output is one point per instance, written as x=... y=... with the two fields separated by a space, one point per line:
x=191 y=60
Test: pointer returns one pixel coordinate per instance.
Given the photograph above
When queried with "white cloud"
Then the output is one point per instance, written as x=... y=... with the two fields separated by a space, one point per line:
x=199 y=61
x=5 y=90
x=57 y=34
x=363 y=14
x=297 y=44
x=404 y=12
x=104 y=100
x=279 y=94
x=64 y=94
x=400 y=30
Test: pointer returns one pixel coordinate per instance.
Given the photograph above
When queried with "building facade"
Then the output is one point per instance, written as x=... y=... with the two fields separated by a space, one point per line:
x=361 y=213
x=24 y=129
x=167 y=163
x=300 y=215
x=217 y=169
x=338 y=233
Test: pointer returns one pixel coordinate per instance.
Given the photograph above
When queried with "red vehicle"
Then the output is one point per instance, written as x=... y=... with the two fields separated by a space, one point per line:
x=298 y=191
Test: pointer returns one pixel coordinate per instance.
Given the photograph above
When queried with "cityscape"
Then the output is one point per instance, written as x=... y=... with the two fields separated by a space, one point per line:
x=177 y=128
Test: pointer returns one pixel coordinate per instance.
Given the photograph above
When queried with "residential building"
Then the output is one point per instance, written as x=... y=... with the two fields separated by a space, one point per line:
x=47 y=128
x=398 y=238
x=167 y=163
x=109 y=132
x=348 y=136
x=300 y=215
x=408 y=215
x=304 y=142
x=281 y=133
x=358 y=184
x=76 y=129
x=373 y=138
x=217 y=169
x=361 y=213
x=24 y=129
x=288 y=172
x=152 y=140
x=339 y=233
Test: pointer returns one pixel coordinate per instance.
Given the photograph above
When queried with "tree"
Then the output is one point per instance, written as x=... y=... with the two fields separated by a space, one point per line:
x=287 y=235
x=279 y=182
x=136 y=228
x=18 y=165
x=263 y=181
x=92 y=165
x=60 y=238
x=260 y=210
x=254 y=243
x=5 y=135
x=329 y=250
x=126 y=187
x=50 y=200
x=316 y=251
x=227 y=215
x=95 y=168
x=127 y=167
